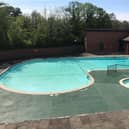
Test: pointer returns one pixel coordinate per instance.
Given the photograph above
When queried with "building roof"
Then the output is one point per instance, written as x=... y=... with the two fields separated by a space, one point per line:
x=126 y=39
x=106 y=30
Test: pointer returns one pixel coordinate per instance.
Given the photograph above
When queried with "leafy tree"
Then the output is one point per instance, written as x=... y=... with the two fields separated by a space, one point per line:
x=3 y=26
x=13 y=11
x=18 y=35
x=63 y=27
x=125 y=25
x=82 y=16
x=102 y=19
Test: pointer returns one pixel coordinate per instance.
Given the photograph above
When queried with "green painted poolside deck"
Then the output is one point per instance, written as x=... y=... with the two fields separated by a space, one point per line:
x=104 y=96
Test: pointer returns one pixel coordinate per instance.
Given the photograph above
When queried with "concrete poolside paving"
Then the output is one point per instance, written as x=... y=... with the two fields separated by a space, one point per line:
x=106 y=96
x=109 y=120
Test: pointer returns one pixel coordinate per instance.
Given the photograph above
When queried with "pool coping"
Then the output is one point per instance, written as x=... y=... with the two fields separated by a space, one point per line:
x=122 y=84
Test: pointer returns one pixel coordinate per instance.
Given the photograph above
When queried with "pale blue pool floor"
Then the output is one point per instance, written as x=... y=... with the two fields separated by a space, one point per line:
x=105 y=95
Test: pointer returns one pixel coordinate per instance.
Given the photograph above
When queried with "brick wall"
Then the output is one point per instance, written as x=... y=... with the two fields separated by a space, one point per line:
x=110 y=39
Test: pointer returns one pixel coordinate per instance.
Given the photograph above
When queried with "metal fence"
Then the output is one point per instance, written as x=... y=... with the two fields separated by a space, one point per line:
x=115 y=67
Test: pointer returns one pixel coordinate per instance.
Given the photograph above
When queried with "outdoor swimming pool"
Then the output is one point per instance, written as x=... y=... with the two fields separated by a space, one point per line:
x=56 y=75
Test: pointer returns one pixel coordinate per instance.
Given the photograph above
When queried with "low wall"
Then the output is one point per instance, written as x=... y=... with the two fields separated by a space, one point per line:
x=42 y=52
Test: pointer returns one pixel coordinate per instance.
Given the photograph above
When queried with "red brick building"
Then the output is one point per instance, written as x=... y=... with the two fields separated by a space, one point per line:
x=107 y=41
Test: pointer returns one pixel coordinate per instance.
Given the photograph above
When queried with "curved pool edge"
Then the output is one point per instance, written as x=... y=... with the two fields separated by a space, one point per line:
x=4 y=87
x=5 y=70
x=92 y=80
x=121 y=82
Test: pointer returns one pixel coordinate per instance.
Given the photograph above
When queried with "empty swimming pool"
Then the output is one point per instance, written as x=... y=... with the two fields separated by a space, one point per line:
x=55 y=75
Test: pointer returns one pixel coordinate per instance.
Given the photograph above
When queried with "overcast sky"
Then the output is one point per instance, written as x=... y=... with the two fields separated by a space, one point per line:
x=119 y=7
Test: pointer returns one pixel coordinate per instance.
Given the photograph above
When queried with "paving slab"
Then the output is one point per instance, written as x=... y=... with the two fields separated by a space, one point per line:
x=105 y=120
